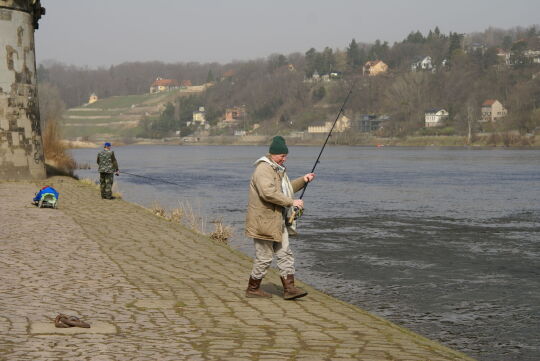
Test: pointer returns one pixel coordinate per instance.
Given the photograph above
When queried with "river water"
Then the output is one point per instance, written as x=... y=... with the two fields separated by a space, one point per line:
x=445 y=242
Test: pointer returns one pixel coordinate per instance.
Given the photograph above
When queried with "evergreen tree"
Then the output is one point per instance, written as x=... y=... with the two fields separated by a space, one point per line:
x=415 y=38
x=166 y=121
x=311 y=61
x=276 y=61
x=210 y=77
x=455 y=42
x=378 y=51
x=354 y=55
x=507 y=42
x=328 y=63
x=454 y=46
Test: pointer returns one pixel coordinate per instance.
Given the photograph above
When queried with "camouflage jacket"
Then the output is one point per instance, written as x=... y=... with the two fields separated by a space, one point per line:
x=106 y=162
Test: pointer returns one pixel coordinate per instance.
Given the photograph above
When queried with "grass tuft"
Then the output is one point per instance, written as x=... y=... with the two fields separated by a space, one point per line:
x=221 y=232
x=158 y=210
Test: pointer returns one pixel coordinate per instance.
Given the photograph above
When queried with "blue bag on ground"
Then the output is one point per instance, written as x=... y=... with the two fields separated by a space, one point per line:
x=46 y=197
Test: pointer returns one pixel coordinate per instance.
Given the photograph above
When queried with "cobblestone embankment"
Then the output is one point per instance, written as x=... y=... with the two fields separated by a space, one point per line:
x=153 y=290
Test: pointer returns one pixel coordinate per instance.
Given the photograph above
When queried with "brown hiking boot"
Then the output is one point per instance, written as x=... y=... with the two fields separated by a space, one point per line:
x=63 y=321
x=290 y=291
x=254 y=290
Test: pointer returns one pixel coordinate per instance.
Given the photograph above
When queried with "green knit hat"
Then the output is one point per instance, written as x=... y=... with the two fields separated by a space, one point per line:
x=278 y=146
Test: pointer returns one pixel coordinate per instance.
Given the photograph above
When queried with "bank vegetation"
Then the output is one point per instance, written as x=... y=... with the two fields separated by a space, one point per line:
x=282 y=94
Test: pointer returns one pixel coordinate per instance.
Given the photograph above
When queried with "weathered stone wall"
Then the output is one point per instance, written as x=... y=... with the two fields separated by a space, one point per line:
x=21 y=152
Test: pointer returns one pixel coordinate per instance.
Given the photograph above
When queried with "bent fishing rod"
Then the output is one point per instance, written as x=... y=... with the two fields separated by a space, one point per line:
x=296 y=211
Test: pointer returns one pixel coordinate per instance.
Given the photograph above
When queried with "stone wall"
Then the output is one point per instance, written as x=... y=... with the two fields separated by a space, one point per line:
x=21 y=151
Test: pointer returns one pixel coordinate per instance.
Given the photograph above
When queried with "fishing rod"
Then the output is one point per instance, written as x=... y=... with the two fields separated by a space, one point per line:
x=297 y=212
x=329 y=134
x=156 y=179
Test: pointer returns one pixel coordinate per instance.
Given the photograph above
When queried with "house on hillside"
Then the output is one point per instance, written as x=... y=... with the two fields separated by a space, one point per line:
x=334 y=75
x=503 y=56
x=228 y=75
x=478 y=47
x=374 y=67
x=199 y=116
x=435 y=117
x=325 y=78
x=532 y=55
x=186 y=83
x=492 y=110
x=235 y=114
x=368 y=123
x=93 y=98
x=162 y=85
x=342 y=124
x=422 y=63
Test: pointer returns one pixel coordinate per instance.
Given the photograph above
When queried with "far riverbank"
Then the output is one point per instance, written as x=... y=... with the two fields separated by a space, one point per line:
x=483 y=141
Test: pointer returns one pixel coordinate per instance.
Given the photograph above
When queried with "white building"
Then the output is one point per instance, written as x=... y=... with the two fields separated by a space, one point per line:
x=424 y=63
x=199 y=116
x=342 y=124
x=435 y=117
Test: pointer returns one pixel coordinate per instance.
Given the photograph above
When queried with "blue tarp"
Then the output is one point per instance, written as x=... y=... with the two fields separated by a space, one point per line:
x=46 y=190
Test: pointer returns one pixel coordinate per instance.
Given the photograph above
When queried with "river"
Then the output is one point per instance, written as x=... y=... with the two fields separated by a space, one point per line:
x=445 y=242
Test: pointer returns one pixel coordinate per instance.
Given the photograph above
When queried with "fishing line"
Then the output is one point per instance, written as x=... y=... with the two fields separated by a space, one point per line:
x=151 y=178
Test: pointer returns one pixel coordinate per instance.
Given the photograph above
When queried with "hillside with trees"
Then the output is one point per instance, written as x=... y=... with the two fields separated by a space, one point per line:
x=289 y=93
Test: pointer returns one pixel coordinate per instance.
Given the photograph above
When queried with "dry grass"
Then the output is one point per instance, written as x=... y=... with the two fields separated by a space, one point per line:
x=89 y=182
x=221 y=232
x=193 y=219
x=158 y=210
x=177 y=214
x=187 y=216
x=95 y=184
x=55 y=152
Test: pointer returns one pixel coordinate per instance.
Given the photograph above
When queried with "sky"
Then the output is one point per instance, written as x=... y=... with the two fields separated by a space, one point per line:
x=109 y=32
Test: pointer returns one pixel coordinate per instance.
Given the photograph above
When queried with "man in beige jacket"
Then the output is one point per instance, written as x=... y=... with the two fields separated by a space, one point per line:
x=270 y=200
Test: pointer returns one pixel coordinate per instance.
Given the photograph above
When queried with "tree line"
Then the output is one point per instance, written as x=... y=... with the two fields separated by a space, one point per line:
x=280 y=96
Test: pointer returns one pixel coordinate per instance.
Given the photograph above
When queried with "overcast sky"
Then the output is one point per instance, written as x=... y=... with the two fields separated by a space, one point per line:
x=106 y=32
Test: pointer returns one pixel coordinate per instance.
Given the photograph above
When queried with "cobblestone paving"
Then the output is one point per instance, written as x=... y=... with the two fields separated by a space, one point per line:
x=169 y=293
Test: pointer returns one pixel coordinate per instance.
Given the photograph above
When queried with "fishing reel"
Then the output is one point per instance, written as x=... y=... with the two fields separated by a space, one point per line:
x=296 y=212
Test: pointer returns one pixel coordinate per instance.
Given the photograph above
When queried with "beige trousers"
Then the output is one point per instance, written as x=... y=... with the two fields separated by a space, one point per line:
x=264 y=254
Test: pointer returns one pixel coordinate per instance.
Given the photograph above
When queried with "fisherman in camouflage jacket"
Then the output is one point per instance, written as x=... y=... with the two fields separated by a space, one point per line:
x=107 y=168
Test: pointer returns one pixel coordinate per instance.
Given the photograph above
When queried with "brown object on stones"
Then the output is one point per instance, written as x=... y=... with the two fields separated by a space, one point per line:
x=254 y=289
x=290 y=291
x=58 y=322
x=64 y=321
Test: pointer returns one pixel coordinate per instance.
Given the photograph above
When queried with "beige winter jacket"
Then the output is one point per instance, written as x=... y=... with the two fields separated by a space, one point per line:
x=266 y=202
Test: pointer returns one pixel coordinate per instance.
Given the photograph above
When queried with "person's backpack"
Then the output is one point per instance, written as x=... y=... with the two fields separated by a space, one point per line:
x=46 y=197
